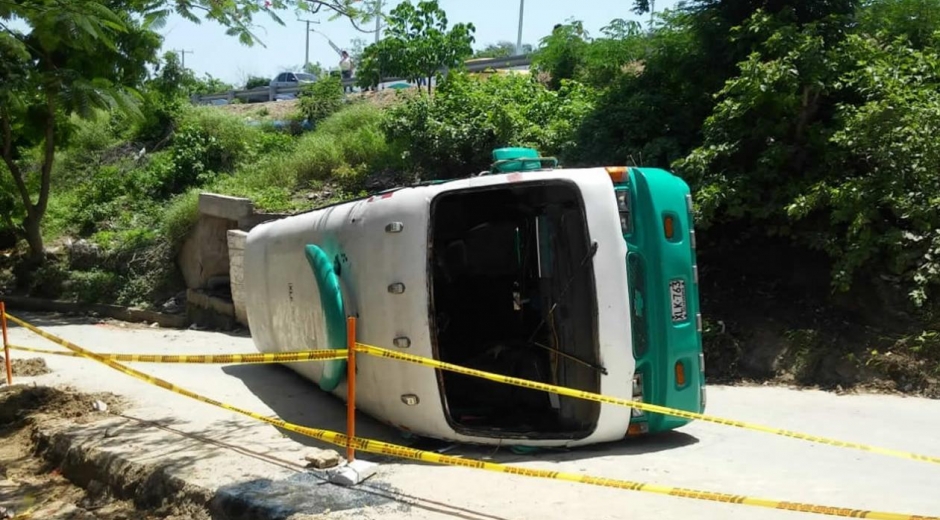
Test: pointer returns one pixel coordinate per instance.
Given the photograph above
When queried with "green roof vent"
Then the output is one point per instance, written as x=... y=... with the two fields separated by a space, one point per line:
x=519 y=159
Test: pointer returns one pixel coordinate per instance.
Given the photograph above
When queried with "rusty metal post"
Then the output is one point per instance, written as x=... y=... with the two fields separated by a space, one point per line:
x=350 y=387
x=6 y=344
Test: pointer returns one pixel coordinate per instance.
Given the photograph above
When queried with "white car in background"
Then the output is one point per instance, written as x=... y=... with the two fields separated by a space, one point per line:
x=291 y=79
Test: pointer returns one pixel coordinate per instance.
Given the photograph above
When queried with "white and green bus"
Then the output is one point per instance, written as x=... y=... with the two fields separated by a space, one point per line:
x=583 y=278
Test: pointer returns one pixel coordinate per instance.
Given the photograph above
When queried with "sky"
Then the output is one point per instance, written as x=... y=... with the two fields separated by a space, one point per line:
x=222 y=56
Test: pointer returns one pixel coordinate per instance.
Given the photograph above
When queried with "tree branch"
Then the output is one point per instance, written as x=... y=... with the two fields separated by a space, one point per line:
x=49 y=155
x=15 y=171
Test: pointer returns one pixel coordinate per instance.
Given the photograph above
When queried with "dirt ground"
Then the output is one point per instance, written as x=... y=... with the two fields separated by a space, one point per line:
x=33 y=487
x=29 y=367
x=281 y=110
x=273 y=110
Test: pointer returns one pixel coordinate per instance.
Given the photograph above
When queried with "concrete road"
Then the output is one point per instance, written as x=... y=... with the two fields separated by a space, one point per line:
x=218 y=449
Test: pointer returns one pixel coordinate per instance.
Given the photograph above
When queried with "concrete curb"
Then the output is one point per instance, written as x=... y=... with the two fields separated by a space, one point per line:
x=148 y=486
x=25 y=303
x=82 y=463
x=77 y=451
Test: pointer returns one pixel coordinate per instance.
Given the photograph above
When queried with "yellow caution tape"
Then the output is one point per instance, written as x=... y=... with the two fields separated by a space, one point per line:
x=378 y=447
x=218 y=359
x=580 y=394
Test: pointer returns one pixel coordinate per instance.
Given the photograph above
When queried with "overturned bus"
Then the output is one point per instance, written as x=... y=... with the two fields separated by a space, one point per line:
x=582 y=278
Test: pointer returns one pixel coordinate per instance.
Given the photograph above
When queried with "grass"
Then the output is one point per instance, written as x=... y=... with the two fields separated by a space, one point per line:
x=344 y=149
x=137 y=211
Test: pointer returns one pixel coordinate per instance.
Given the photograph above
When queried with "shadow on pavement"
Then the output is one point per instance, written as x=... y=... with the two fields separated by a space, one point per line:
x=299 y=401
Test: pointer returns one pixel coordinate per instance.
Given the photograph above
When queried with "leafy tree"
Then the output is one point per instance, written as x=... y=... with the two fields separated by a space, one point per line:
x=417 y=44
x=882 y=199
x=501 y=49
x=208 y=84
x=75 y=62
x=569 y=53
x=356 y=47
x=816 y=140
x=238 y=15
x=314 y=68
x=76 y=56
x=915 y=20
x=174 y=80
x=454 y=132
x=562 y=54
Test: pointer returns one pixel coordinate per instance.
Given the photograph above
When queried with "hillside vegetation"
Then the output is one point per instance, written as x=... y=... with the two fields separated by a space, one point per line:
x=804 y=128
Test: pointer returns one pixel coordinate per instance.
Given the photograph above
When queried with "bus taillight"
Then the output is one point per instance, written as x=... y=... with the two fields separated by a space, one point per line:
x=669 y=227
x=680 y=374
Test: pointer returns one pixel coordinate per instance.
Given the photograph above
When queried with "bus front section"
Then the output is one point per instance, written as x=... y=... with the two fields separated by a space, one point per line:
x=656 y=221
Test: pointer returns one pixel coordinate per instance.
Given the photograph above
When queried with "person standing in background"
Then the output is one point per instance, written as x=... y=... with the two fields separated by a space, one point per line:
x=346 y=69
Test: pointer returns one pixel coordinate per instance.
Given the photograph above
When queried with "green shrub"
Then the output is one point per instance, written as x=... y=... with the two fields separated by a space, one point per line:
x=321 y=99
x=454 y=133
x=87 y=141
x=256 y=82
x=95 y=286
x=230 y=140
x=317 y=156
x=274 y=142
x=347 y=146
x=179 y=217
x=207 y=142
x=344 y=150
x=125 y=241
x=351 y=118
x=160 y=112
x=48 y=281
x=268 y=183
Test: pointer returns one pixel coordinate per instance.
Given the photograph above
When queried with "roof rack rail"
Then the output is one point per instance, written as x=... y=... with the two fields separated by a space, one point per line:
x=507 y=160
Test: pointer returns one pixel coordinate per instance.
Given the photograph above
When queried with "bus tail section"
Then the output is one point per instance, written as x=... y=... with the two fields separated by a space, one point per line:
x=656 y=221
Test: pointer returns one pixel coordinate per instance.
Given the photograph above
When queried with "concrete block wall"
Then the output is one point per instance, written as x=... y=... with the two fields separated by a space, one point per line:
x=236 y=251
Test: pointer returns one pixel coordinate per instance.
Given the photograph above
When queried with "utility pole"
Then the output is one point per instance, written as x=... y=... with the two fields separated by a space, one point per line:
x=307 y=46
x=519 y=37
x=652 y=12
x=378 y=20
x=183 y=54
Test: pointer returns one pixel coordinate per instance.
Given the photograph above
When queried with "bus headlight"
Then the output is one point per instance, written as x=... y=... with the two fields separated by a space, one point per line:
x=622 y=204
x=623 y=207
x=637 y=394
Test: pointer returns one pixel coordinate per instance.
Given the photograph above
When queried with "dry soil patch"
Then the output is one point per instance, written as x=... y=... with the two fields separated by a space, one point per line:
x=33 y=487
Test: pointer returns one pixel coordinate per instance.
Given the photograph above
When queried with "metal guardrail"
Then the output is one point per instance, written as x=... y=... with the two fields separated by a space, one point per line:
x=271 y=93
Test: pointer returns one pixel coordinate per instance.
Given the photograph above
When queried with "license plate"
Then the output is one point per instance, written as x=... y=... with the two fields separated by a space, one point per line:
x=680 y=311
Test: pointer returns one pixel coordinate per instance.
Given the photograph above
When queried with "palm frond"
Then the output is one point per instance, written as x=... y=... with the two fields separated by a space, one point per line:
x=107 y=17
x=185 y=12
x=156 y=20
